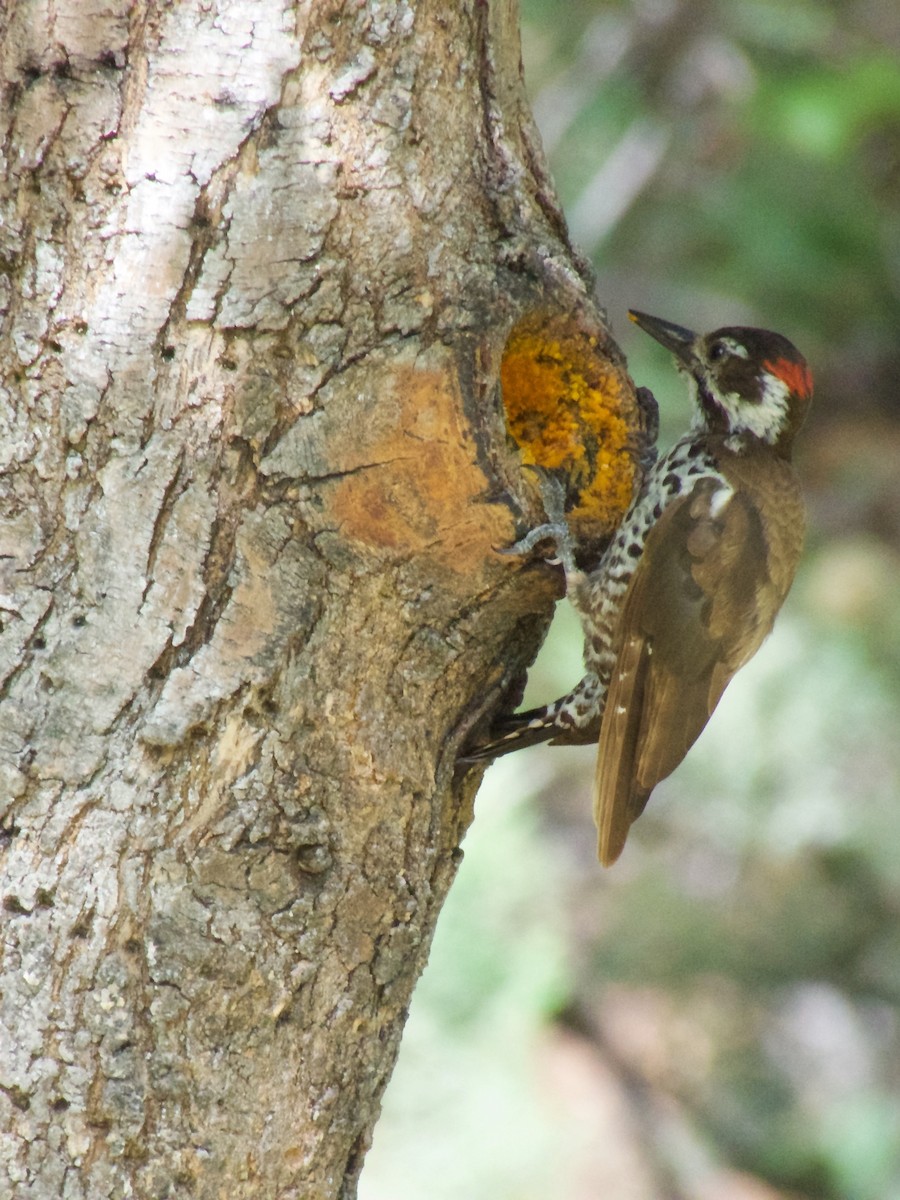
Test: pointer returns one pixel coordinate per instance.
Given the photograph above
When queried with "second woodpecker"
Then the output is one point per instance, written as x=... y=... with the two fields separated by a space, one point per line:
x=692 y=582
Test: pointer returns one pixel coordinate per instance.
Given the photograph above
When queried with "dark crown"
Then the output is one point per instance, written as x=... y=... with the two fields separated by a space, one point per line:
x=750 y=381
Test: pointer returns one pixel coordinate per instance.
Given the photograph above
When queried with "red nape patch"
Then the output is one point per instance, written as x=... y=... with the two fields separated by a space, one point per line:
x=796 y=375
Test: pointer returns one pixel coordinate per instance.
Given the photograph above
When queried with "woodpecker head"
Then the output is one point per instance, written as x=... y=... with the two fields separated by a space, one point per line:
x=746 y=381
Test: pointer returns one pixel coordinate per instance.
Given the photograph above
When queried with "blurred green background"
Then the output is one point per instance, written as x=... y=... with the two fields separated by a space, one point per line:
x=718 y=1016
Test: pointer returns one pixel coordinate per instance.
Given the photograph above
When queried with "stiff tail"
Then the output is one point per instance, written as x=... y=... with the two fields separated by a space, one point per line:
x=573 y=720
x=515 y=732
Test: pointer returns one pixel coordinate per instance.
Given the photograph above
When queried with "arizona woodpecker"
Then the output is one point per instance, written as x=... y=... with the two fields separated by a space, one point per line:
x=692 y=581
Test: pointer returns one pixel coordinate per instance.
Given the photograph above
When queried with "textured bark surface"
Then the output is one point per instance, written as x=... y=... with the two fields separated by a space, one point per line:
x=257 y=264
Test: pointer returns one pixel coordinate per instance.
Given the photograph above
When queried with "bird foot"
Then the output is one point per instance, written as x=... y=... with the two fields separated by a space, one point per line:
x=556 y=529
x=541 y=533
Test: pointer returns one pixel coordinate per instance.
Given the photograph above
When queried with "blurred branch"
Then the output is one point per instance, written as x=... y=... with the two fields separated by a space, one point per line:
x=601 y=50
x=618 y=182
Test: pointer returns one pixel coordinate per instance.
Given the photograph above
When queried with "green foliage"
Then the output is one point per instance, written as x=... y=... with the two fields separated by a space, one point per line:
x=781 y=165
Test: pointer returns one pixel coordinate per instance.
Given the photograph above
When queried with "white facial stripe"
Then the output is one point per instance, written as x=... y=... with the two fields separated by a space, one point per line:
x=698 y=420
x=734 y=347
x=764 y=418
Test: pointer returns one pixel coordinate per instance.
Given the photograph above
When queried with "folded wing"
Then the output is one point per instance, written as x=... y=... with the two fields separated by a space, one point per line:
x=703 y=598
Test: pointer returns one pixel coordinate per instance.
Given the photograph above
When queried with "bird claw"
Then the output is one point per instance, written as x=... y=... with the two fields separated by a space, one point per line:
x=545 y=532
x=556 y=529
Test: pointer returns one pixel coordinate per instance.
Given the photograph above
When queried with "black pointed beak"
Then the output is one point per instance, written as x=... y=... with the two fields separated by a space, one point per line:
x=674 y=337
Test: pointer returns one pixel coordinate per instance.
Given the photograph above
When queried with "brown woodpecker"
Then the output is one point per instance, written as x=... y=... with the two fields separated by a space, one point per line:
x=691 y=584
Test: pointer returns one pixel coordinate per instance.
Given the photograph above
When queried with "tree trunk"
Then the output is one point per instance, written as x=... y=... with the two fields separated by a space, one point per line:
x=259 y=264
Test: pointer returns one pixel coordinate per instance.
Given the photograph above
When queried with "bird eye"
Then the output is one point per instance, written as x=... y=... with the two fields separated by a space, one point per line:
x=717 y=350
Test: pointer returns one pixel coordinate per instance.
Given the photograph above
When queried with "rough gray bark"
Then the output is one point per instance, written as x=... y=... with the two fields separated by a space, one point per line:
x=258 y=263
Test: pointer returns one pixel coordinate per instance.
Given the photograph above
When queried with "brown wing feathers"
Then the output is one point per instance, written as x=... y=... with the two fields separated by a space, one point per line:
x=700 y=604
x=618 y=800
